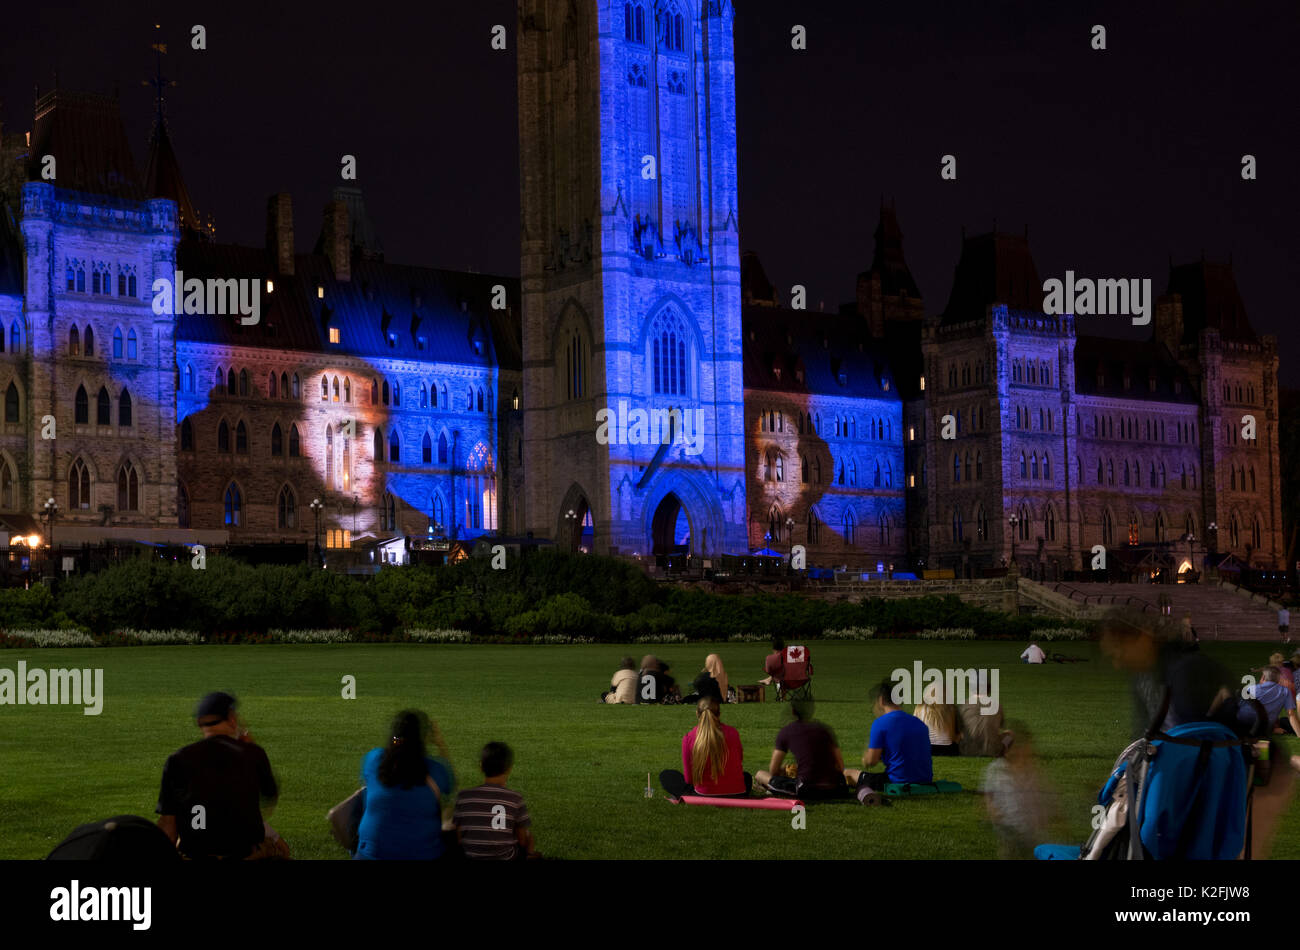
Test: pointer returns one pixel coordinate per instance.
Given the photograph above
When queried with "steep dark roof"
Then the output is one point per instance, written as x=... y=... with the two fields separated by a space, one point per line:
x=450 y=310
x=1139 y=360
x=825 y=347
x=163 y=179
x=754 y=285
x=895 y=276
x=994 y=268
x=84 y=133
x=1210 y=300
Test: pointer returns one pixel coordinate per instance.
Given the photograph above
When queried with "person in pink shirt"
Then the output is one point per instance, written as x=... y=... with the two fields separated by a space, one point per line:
x=712 y=758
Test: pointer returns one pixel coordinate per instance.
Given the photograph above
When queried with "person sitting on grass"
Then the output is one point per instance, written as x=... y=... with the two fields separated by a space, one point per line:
x=405 y=789
x=941 y=720
x=228 y=776
x=789 y=667
x=622 y=687
x=659 y=687
x=1033 y=654
x=1275 y=698
x=817 y=753
x=712 y=758
x=492 y=821
x=899 y=741
x=1014 y=798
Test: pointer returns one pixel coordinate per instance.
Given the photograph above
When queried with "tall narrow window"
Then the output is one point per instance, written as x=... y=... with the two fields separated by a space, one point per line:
x=103 y=408
x=234 y=505
x=394 y=447
x=287 y=509
x=81 y=413
x=130 y=344
x=79 y=486
x=442 y=448
x=88 y=343
x=295 y=442
x=329 y=457
x=117 y=343
x=187 y=436
x=426 y=449
x=223 y=437
x=124 y=409
x=277 y=440
x=128 y=488
x=74 y=342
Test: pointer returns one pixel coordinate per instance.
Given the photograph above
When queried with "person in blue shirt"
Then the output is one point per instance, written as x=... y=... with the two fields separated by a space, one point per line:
x=1277 y=699
x=898 y=740
x=405 y=791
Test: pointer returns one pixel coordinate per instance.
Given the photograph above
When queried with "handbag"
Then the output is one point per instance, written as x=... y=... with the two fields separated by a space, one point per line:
x=345 y=819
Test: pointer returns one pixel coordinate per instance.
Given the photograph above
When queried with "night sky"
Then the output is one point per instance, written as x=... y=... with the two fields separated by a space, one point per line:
x=1115 y=159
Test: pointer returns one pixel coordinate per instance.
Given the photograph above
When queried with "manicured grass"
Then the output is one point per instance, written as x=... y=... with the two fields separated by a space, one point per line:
x=580 y=766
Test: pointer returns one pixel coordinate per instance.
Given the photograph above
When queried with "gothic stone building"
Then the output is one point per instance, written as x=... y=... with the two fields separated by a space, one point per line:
x=411 y=401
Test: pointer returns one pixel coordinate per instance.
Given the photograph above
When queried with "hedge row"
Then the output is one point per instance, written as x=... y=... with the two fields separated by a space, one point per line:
x=547 y=595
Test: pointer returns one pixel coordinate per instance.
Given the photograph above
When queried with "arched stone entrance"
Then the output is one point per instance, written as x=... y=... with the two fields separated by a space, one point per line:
x=576 y=528
x=670 y=529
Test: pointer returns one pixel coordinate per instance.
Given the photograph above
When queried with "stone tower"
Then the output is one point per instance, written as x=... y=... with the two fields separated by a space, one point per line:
x=631 y=275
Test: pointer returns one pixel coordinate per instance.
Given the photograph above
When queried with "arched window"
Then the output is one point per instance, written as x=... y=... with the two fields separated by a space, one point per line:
x=671 y=352
x=8 y=487
x=286 y=515
x=1047 y=466
x=1232 y=475
x=397 y=394
x=849 y=528
x=1024 y=466
x=876 y=476
x=956 y=467
x=814 y=532
x=446 y=402
x=442 y=448
x=336 y=389
x=187 y=435
x=374 y=392
x=295 y=442
x=388 y=512
x=241 y=438
x=232 y=382
x=81 y=411
x=128 y=488
x=780 y=467
x=882 y=528
x=1160 y=526
x=324 y=389
x=1107 y=528
x=223 y=437
x=329 y=457
x=379 y=446
x=958 y=528
x=436 y=510
x=1024 y=519
x=79 y=486
x=426 y=449
x=979 y=466
x=394 y=447
x=1049 y=524
x=234 y=505
x=88 y=342
x=272 y=386
x=284 y=386
x=74 y=341
x=103 y=408
x=124 y=409
x=130 y=344
x=1234 y=531
x=1134 y=532
x=1256 y=531
x=480 y=400
x=424 y=397
x=817 y=470
x=347 y=389
x=277 y=440
x=968 y=466
x=386 y=392
x=117 y=343
x=347 y=464
x=1151 y=475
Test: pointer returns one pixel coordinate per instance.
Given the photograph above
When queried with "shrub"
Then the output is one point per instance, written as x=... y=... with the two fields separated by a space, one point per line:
x=157 y=637
x=947 y=633
x=49 y=638
x=1058 y=633
x=419 y=635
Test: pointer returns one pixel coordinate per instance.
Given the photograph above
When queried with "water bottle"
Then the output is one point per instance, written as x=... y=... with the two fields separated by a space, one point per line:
x=649 y=792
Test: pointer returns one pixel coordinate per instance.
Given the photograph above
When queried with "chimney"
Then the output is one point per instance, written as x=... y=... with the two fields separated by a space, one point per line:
x=279 y=232
x=335 y=243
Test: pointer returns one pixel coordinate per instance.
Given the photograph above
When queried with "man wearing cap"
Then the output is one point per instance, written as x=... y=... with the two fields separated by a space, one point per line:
x=213 y=791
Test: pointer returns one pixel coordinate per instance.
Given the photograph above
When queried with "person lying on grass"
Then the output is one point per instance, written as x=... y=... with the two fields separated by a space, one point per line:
x=820 y=764
x=1276 y=698
x=492 y=821
x=711 y=758
x=898 y=740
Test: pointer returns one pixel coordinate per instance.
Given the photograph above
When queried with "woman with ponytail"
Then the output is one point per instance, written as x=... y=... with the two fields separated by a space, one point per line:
x=712 y=758
x=405 y=791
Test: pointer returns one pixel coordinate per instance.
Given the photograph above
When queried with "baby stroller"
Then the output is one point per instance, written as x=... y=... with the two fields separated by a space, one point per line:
x=1193 y=790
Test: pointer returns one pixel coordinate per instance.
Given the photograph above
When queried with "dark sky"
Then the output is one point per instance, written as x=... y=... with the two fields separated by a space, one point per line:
x=1115 y=159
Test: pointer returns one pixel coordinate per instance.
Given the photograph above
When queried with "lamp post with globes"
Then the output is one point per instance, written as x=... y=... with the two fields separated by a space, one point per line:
x=317 y=506
x=571 y=519
x=50 y=511
x=1014 y=522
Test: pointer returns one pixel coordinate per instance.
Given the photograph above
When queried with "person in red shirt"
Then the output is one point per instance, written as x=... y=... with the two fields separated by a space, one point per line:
x=712 y=758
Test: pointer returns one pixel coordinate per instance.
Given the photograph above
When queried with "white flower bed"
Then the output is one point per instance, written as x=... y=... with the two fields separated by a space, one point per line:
x=947 y=633
x=1058 y=633
x=420 y=635
x=661 y=638
x=747 y=638
x=850 y=633
x=54 y=638
x=560 y=638
x=310 y=636
x=161 y=637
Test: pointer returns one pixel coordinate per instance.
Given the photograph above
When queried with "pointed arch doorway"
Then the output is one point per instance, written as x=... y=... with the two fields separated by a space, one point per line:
x=671 y=528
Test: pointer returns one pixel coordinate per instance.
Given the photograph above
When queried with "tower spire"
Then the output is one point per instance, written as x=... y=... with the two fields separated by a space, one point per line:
x=159 y=82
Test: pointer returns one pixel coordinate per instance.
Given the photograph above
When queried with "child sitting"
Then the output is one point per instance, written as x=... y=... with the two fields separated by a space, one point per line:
x=491 y=821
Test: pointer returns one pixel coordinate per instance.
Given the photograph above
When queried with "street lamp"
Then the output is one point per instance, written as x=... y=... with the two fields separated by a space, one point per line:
x=51 y=510
x=1189 y=538
x=1014 y=520
x=317 y=506
x=571 y=519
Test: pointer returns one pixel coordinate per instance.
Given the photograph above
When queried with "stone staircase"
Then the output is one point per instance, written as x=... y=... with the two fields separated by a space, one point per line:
x=1220 y=611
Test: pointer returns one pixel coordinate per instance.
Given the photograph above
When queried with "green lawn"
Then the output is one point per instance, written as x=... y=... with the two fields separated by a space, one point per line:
x=580 y=766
